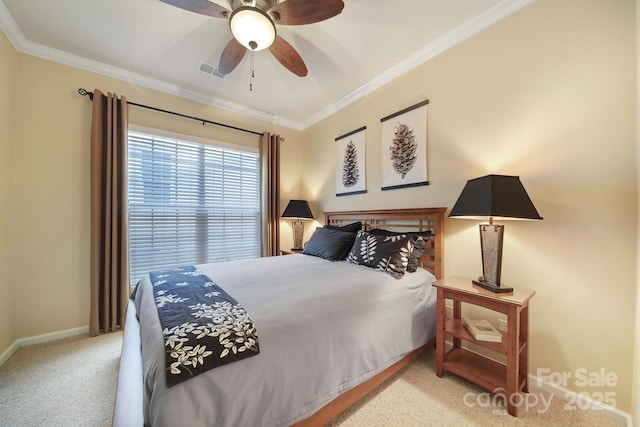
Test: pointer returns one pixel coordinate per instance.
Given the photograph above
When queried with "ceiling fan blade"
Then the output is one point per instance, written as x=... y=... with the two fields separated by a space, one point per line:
x=231 y=56
x=288 y=56
x=301 y=12
x=203 y=7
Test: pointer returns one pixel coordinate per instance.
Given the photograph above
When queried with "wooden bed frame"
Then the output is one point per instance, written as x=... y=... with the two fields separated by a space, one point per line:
x=421 y=219
x=130 y=389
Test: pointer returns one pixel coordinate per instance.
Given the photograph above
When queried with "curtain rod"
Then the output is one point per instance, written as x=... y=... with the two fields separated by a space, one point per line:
x=85 y=92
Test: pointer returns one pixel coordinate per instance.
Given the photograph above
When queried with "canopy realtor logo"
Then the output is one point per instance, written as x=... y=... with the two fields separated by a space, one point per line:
x=498 y=400
x=541 y=402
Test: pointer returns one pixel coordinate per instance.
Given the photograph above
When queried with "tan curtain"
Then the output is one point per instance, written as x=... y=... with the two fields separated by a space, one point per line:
x=270 y=179
x=109 y=258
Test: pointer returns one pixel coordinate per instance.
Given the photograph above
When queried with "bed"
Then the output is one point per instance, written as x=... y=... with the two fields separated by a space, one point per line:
x=329 y=332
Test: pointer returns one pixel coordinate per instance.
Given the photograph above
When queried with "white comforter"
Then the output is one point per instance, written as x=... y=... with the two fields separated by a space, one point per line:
x=323 y=328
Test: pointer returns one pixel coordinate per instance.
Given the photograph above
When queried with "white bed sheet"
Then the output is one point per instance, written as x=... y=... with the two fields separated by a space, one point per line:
x=323 y=328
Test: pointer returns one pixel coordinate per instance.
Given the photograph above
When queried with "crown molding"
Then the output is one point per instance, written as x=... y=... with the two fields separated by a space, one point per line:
x=479 y=23
x=8 y=25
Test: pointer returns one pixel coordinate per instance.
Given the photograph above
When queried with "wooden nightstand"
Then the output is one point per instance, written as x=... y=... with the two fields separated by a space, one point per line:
x=292 y=251
x=506 y=379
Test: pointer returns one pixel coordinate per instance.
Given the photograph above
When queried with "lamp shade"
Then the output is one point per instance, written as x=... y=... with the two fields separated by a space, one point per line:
x=495 y=196
x=297 y=209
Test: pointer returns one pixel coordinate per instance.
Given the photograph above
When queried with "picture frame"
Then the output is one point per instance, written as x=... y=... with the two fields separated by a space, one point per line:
x=350 y=163
x=404 y=148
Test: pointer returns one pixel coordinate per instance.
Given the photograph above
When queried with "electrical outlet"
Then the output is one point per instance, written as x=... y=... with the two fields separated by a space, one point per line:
x=502 y=324
x=448 y=312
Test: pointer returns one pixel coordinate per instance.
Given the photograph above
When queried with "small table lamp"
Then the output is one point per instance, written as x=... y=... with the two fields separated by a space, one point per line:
x=493 y=196
x=299 y=210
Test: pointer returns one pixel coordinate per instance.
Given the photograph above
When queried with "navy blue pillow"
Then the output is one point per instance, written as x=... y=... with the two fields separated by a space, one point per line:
x=329 y=244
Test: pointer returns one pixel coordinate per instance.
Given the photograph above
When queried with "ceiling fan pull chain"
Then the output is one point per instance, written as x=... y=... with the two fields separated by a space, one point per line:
x=252 y=75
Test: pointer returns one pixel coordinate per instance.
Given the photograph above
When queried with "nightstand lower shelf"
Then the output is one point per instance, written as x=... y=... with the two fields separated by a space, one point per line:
x=487 y=373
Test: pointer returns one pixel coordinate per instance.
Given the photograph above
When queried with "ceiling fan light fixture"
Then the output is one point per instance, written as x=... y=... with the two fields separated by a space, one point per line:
x=252 y=27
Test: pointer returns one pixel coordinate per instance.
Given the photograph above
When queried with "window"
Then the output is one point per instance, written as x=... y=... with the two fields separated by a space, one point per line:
x=190 y=203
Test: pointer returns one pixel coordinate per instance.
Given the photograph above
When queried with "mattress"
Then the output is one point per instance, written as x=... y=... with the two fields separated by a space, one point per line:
x=323 y=328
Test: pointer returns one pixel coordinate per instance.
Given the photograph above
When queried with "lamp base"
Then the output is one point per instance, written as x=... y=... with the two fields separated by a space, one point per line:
x=298 y=233
x=492 y=286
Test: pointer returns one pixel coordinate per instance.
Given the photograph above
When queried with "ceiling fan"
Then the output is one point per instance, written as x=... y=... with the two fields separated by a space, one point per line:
x=253 y=26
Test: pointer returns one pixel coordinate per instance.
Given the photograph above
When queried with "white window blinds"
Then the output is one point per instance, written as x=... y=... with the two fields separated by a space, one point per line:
x=190 y=203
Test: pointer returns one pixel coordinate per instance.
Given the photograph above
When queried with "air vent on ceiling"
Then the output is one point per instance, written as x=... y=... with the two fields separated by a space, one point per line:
x=212 y=70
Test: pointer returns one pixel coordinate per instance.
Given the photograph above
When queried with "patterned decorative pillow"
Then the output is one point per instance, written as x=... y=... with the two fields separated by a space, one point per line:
x=389 y=254
x=418 y=250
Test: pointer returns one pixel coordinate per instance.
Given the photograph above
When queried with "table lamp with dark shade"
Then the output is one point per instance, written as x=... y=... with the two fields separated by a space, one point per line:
x=298 y=210
x=493 y=196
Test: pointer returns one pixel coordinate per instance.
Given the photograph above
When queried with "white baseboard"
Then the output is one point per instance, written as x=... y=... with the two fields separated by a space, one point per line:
x=582 y=401
x=9 y=352
x=38 y=339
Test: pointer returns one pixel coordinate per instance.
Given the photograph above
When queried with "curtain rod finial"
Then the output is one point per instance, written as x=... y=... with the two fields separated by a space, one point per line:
x=84 y=92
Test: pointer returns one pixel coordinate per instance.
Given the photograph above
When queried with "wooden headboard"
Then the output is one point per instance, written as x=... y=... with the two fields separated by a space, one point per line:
x=421 y=219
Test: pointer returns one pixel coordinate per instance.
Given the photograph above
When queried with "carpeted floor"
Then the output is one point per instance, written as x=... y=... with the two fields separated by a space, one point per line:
x=68 y=382
x=71 y=382
x=416 y=396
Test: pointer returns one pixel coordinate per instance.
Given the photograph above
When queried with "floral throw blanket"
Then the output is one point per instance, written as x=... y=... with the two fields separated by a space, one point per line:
x=203 y=326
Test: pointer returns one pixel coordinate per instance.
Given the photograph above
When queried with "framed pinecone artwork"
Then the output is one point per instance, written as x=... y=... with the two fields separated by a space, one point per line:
x=350 y=166
x=404 y=148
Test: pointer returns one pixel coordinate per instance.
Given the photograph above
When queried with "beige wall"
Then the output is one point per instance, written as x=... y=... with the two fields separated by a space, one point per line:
x=636 y=354
x=7 y=96
x=51 y=149
x=547 y=94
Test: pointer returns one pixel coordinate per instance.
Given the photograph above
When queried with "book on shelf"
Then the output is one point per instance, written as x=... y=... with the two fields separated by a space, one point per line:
x=482 y=330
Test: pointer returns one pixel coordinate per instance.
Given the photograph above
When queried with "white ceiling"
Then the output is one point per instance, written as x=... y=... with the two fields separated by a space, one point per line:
x=159 y=46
